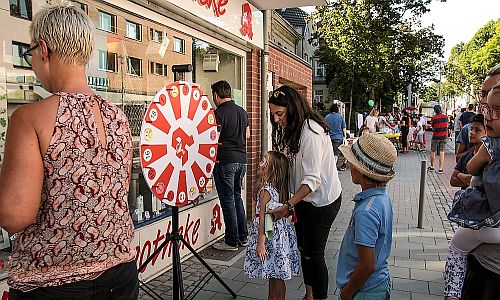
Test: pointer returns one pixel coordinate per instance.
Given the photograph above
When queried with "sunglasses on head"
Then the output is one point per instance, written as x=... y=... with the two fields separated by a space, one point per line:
x=276 y=94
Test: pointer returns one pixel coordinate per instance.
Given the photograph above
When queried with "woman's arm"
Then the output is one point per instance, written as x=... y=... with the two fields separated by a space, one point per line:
x=459 y=179
x=477 y=163
x=261 y=240
x=21 y=177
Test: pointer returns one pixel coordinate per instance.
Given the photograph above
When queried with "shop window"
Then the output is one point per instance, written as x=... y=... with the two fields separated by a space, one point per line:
x=107 y=22
x=318 y=96
x=107 y=61
x=320 y=69
x=20 y=9
x=133 y=31
x=134 y=66
x=155 y=35
x=18 y=50
x=79 y=5
x=179 y=45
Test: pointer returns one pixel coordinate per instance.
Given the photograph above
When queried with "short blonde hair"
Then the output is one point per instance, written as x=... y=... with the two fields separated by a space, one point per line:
x=68 y=32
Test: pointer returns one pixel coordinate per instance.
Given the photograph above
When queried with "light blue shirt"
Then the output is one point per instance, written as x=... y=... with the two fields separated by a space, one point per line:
x=336 y=123
x=370 y=226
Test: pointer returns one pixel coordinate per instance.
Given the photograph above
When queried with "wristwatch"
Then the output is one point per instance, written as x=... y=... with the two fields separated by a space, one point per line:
x=290 y=206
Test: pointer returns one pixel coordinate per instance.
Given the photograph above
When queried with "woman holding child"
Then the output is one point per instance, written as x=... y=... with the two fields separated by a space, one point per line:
x=302 y=135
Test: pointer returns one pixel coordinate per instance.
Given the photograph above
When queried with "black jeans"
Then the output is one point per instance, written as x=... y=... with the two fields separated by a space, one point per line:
x=313 y=226
x=118 y=283
x=480 y=283
x=404 y=136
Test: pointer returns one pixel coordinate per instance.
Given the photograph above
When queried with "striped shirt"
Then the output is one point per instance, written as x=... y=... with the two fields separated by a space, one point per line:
x=439 y=127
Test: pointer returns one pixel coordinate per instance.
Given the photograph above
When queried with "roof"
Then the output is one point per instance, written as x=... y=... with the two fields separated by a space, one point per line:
x=294 y=16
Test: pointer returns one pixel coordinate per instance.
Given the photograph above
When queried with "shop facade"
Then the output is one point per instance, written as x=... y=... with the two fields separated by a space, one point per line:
x=139 y=45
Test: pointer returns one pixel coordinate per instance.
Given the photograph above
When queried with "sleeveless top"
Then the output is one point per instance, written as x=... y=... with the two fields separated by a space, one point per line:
x=83 y=226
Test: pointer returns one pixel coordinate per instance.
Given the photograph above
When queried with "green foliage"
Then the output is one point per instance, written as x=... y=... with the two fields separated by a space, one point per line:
x=470 y=62
x=374 y=49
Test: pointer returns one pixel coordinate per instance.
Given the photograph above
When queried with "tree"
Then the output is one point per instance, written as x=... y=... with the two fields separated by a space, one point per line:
x=469 y=62
x=374 y=49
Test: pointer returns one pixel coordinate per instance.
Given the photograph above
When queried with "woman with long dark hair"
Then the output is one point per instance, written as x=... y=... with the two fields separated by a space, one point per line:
x=405 y=128
x=302 y=134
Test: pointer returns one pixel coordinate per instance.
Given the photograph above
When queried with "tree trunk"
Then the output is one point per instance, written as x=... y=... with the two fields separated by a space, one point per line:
x=350 y=112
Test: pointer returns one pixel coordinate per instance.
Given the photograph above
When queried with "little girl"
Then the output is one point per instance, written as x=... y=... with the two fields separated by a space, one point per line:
x=272 y=248
x=476 y=209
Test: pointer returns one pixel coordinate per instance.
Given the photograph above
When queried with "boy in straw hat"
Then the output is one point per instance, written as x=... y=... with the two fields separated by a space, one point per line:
x=362 y=271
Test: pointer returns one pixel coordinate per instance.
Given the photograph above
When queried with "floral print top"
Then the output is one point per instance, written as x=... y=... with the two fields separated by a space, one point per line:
x=83 y=226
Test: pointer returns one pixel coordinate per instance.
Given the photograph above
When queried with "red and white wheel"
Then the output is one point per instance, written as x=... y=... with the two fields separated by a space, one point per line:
x=178 y=144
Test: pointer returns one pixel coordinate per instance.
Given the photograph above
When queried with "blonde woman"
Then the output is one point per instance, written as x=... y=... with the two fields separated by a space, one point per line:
x=372 y=121
x=64 y=180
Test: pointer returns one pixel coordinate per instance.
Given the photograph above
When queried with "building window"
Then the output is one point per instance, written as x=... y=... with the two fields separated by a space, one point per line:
x=107 y=22
x=134 y=66
x=158 y=68
x=133 y=31
x=318 y=96
x=179 y=45
x=320 y=69
x=79 y=5
x=107 y=61
x=20 y=9
x=155 y=35
x=306 y=57
x=18 y=50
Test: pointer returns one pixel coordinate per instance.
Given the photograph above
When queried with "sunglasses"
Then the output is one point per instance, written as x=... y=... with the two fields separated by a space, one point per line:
x=490 y=113
x=276 y=94
x=28 y=56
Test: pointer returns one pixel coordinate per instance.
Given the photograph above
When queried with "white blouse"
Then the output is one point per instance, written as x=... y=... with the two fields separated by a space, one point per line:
x=315 y=166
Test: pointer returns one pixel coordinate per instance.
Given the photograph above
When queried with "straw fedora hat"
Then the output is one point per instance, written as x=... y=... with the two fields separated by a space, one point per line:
x=373 y=155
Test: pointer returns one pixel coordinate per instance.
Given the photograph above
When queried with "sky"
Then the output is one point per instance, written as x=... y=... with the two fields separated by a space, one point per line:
x=457 y=20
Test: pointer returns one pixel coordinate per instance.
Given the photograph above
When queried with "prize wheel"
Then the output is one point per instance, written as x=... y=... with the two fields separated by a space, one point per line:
x=178 y=144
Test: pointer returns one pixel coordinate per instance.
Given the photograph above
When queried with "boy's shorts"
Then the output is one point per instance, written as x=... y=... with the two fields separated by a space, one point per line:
x=438 y=145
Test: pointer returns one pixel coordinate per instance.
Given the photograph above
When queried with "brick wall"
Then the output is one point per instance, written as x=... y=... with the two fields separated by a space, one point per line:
x=253 y=144
x=290 y=70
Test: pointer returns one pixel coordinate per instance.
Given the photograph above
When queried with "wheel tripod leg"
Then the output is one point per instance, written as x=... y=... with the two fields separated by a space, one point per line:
x=208 y=267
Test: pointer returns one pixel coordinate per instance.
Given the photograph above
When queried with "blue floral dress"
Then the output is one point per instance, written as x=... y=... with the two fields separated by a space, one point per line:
x=283 y=257
x=479 y=206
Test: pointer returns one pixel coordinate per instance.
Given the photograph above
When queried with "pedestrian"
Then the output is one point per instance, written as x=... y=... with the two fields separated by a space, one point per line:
x=460 y=177
x=466 y=117
x=371 y=121
x=463 y=141
x=483 y=273
x=457 y=126
x=338 y=132
x=65 y=177
x=405 y=129
x=364 y=130
x=419 y=137
x=314 y=181
x=230 y=167
x=362 y=268
x=477 y=208
x=272 y=246
x=439 y=135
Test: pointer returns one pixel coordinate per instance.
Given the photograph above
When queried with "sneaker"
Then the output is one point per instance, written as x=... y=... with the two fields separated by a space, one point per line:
x=440 y=171
x=224 y=247
x=430 y=168
x=243 y=243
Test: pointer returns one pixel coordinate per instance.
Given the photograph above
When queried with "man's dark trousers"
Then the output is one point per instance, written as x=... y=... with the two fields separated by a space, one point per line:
x=229 y=180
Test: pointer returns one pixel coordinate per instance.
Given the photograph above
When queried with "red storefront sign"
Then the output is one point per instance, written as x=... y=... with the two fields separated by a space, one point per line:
x=216 y=5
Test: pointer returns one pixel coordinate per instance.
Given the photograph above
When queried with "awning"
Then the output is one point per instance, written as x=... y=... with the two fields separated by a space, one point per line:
x=276 y=4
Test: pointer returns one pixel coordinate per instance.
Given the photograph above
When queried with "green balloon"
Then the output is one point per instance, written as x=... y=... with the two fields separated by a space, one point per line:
x=371 y=102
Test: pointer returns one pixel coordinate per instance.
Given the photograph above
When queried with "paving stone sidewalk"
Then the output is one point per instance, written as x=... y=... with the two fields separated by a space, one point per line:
x=417 y=256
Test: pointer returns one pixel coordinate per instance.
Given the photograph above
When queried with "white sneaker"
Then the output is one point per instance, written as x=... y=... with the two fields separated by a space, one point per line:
x=224 y=247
